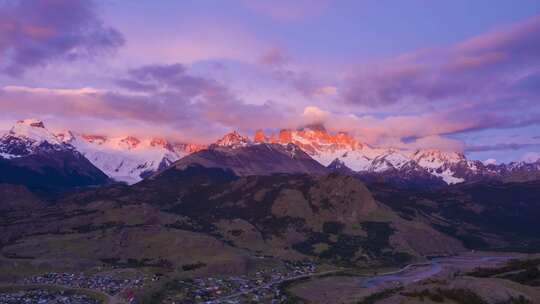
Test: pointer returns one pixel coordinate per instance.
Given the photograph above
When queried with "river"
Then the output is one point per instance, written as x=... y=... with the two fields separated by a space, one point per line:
x=417 y=272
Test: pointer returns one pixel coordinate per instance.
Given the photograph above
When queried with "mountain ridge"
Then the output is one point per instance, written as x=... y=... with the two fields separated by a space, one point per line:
x=131 y=158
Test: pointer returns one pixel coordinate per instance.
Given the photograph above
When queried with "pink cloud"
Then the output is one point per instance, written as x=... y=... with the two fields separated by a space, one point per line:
x=273 y=57
x=482 y=69
x=531 y=157
x=288 y=11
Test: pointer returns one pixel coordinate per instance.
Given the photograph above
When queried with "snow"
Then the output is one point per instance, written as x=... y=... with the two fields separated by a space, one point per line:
x=233 y=140
x=448 y=177
x=490 y=161
x=7 y=155
x=123 y=160
x=31 y=133
x=126 y=158
x=359 y=157
x=33 y=130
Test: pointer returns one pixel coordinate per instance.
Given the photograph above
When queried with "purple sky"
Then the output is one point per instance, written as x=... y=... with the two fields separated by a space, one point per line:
x=455 y=75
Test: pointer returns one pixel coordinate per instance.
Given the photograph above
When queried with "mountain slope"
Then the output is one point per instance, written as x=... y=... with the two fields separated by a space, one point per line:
x=128 y=159
x=247 y=158
x=488 y=215
x=17 y=197
x=221 y=220
x=30 y=155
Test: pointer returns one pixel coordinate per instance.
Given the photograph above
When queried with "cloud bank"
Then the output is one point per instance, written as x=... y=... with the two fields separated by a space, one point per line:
x=35 y=33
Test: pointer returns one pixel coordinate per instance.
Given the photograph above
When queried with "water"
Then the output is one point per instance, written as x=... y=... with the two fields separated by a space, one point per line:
x=418 y=272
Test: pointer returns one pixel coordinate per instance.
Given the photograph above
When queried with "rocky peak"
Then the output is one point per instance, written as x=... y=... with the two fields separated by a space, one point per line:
x=160 y=142
x=233 y=140
x=65 y=136
x=188 y=148
x=260 y=137
x=285 y=137
x=130 y=142
x=94 y=139
x=28 y=136
x=392 y=160
x=433 y=155
x=32 y=122
x=337 y=164
x=316 y=140
x=34 y=131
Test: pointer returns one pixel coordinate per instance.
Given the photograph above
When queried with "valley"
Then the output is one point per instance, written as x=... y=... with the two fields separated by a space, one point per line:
x=244 y=221
x=269 y=152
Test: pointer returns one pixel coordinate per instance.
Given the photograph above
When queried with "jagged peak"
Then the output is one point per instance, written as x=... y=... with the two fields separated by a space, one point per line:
x=65 y=136
x=438 y=155
x=131 y=142
x=160 y=142
x=33 y=130
x=188 y=148
x=337 y=164
x=233 y=139
x=94 y=138
x=260 y=137
x=32 y=122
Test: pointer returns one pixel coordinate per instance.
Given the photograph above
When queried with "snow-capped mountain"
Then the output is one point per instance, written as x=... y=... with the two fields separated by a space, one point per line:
x=29 y=136
x=32 y=156
x=128 y=159
x=341 y=151
x=243 y=157
x=325 y=147
x=233 y=140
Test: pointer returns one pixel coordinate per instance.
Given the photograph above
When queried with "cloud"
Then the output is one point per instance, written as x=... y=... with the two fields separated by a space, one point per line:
x=501 y=147
x=274 y=57
x=288 y=11
x=488 y=68
x=190 y=108
x=163 y=99
x=531 y=157
x=490 y=161
x=282 y=68
x=197 y=38
x=390 y=131
x=435 y=142
x=314 y=115
x=34 y=33
x=326 y=91
x=169 y=78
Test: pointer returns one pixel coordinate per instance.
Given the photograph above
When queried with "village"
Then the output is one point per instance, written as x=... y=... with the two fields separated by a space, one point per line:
x=262 y=287
x=105 y=283
x=43 y=296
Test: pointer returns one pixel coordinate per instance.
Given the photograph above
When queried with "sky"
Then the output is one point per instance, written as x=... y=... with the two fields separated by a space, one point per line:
x=455 y=75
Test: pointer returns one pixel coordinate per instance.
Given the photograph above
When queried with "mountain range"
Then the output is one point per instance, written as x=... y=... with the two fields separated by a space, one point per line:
x=311 y=149
x=243 y=206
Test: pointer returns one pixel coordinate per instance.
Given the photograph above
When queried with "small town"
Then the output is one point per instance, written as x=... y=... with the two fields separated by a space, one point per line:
x=262 y=287
x=43 y=296
x=104 y=283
